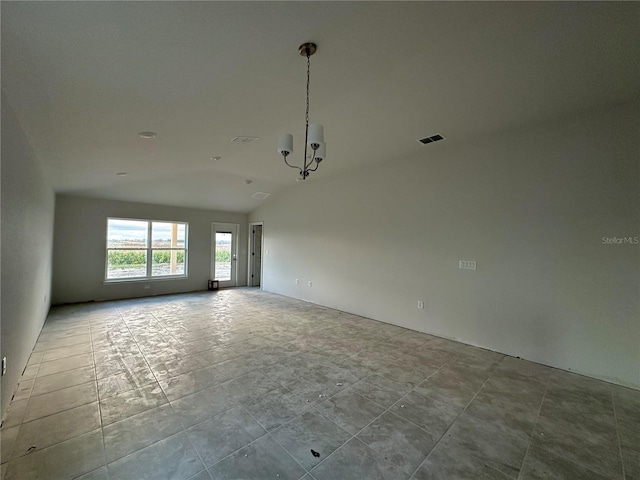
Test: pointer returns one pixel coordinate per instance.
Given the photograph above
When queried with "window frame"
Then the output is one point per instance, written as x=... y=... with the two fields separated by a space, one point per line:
x=149 y=249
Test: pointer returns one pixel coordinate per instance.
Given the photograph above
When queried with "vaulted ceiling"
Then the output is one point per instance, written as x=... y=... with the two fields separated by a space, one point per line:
x=85 y=77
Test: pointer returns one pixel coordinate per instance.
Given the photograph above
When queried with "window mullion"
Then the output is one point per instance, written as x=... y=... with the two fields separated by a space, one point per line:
x=149 y=250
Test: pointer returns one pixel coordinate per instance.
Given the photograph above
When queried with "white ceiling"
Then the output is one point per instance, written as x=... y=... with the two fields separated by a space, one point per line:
x=85 y=77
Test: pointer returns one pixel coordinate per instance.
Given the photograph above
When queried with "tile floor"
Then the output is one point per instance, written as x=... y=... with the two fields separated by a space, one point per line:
x=242 y=384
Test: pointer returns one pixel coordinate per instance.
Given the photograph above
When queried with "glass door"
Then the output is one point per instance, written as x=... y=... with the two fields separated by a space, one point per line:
x=224 y=253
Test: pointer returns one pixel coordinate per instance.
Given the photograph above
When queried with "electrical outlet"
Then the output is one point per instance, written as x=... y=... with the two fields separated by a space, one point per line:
x=309 y=282
x=297 y=281
x=420 y=305
x=467 y=264
x=4 y=365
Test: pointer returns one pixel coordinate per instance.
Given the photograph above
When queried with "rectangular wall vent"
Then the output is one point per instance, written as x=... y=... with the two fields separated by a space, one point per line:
x=260 y=195
x=431 y=139
x=244 y=139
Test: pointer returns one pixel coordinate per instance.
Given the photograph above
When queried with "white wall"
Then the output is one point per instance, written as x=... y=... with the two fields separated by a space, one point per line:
x=80 y=248
x=27 y=238
x=530 y=206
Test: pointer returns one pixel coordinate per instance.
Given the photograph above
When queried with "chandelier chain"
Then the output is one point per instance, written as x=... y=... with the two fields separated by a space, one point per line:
x=306 y=117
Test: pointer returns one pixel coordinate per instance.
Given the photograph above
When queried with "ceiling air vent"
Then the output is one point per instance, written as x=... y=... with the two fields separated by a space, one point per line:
x=431 y=139
x=244 y=139
x=260 y=195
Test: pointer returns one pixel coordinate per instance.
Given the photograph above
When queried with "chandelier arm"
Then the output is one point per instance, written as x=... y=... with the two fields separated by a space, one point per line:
x=292 y=166
x=311 y=163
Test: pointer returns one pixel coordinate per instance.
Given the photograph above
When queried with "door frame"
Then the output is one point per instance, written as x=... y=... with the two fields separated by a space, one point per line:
x=250 y=259
x=234 y=228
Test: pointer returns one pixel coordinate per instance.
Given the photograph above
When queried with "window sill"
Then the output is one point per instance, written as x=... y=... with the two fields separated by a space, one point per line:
x=116 y=281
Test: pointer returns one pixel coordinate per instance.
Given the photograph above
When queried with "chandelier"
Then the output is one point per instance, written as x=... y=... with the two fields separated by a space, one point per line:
x=313 y=134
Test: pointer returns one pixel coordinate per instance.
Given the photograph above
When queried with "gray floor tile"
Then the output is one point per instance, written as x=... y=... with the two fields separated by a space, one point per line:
x=525 y=368
x=202 y=405
x=579 y=439
x=434 y=405
x=35 y=358
x=629 y=432
x=139 y=431
x=15 y=413
x=187 y=383
x=277 y=407
x=631 y=461
x=73 y=350
x=381 y=390
x=8 y=437
x=125 y=405
x=498 y=446
x=516 y=387
x=99 y=474
x=314 y=386
x=350 y=410
x=126 y=349
x=47 y=431
x=67 y=379
x=124 y=382
x=30 y=372
x=452 y=462
x=229 y=369
x=496 y=408
x=60 y=400
x=117 y=365
x=310 y=432
x=410 y=377
x=627 y=398
x=68 y=459
x=627 y=410
x=62 y=342
x=250 y=387
x=64 y=364
x=371 y=360
x=471 y=378
x=260 y=460
x=203 y=475
x=24 y=390
x=177 y=366
x=53 y=335
x=596 y=408
x=400 y=441
x=223 y=434
x=356 y=461
x=170 y=459
x=544 y=465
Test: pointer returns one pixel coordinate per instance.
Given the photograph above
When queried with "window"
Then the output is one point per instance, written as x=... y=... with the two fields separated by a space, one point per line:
x=144 y=249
